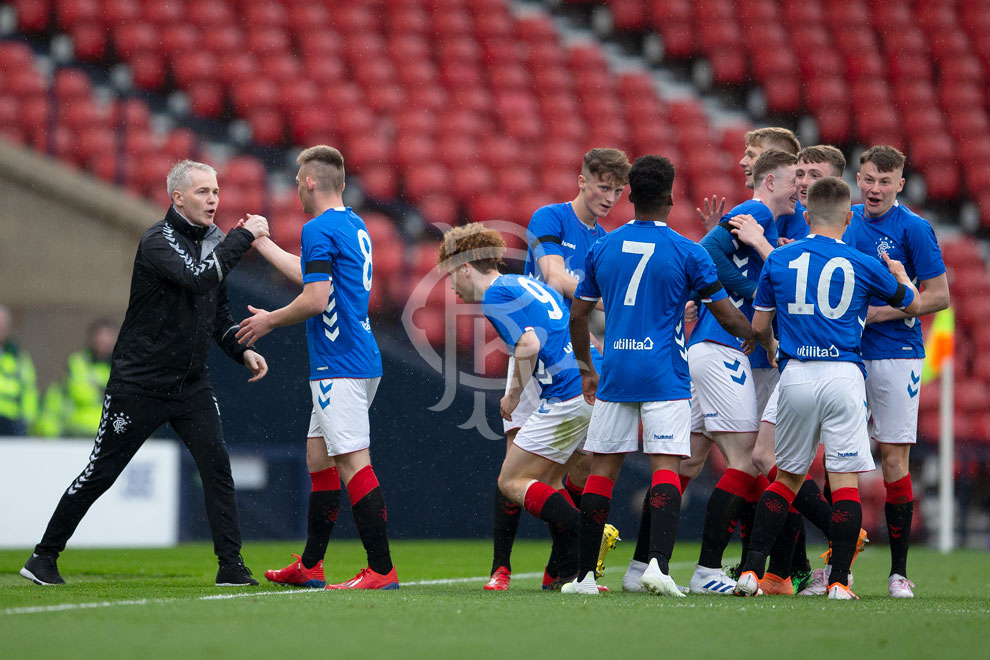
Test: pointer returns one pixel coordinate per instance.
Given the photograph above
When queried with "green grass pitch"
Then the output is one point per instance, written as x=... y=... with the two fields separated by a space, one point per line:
x=144 y=604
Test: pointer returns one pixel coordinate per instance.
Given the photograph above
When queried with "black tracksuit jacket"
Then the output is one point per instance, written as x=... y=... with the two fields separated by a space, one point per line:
x=178 y=303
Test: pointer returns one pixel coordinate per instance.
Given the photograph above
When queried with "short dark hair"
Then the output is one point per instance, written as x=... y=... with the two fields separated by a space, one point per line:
x=828 y=201
x=328 y=167
x=473 y=244
x=824 y=153
x=651 y=179
x=774 y=137
x=770 y=160
x=885 y=157
x=606 y=164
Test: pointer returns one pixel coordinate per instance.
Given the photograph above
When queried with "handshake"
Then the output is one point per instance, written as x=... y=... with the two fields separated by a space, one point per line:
x=256 y=224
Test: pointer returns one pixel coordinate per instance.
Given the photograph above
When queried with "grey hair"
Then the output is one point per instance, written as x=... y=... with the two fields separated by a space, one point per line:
x=178 y=177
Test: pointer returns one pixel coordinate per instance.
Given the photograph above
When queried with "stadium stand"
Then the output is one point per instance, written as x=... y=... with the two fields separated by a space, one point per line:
x=480 y=109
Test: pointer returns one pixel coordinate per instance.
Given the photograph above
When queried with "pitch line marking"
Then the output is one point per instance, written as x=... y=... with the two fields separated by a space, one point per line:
x=66 y=607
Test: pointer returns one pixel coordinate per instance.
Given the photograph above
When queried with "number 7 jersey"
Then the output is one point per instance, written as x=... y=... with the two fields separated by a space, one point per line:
x=336 y=247
x=644 y=273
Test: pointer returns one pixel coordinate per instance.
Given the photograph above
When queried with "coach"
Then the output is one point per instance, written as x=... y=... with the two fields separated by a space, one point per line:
x=178 y=302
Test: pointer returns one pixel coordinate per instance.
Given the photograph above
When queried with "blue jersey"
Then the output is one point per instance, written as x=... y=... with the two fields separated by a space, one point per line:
x=793 y=225
x=336 y=247
x=514 y=304
x=745 y=261
x=821 y=289
x=645 y=272
x=555 y=229
x=908 y=238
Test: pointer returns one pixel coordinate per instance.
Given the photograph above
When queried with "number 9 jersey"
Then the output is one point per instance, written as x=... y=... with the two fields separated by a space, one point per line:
x=644 y=272
x=821 y=289
x=514 y=304
x=336 y=247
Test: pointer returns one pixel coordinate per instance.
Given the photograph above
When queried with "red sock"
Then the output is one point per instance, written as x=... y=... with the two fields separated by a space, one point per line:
x=328 y=479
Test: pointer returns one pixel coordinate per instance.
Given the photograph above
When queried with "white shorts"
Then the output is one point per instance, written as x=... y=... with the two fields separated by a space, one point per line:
x=615 y=427
x=528 y=400
x=555 y=430
x=765 y=380
x=770 y=410
x=724 y=390
x=893 y=389
x=340 y=413
x=822 y=402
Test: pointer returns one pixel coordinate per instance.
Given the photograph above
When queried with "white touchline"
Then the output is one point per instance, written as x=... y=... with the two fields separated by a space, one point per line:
x=65 y=607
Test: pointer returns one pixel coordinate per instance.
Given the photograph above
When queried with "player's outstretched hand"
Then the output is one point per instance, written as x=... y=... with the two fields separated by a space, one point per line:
x=713 y=211
x=256 y=224
x=783 y=240
x=746 y=229
x=507 y=405
x=255 y=327
x=690 y=312
x=256 y=363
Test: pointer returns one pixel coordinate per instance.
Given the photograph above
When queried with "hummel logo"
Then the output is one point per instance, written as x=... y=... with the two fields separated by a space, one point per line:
x=736 y=366
x=568 y=245
x=324 y=402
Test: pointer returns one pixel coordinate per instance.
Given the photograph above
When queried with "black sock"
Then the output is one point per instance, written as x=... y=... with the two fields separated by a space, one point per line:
x=745 y=515
x=370 y=519
x=595 y=508
x=771 y=513
x=320 y=518
x=799 y=560
x=722 y=508
x=812 y=504
x=574 y=491
x=847 y=518
x=782 y=551
x=506 y=524
x=899 y=518
x=553 y=562
x=564 y=520
x=665 y=507
x=642 y=551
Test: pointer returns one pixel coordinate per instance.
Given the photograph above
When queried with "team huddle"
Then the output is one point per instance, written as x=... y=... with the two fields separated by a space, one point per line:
x=806 y=334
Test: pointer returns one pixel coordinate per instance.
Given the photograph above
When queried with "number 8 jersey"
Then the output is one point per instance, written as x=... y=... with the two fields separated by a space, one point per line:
x=336 y=247
x=644 y=272
x=821 y=289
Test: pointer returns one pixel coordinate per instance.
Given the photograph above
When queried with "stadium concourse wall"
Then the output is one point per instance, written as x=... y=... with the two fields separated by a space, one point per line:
x=67 y=243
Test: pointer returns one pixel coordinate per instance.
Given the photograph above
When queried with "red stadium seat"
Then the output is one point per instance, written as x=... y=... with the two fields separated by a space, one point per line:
x=89 y=41
x=425 y=179
x=439 y=209
x=33 y=15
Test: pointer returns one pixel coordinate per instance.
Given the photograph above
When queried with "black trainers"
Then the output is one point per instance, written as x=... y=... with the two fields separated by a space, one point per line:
x=43 y=570
x=235 y=575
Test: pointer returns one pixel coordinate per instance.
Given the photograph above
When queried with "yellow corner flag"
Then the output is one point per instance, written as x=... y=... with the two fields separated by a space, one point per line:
x=939 y=345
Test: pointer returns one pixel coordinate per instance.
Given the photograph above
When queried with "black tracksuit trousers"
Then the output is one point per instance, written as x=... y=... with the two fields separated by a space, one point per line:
x=127 y=421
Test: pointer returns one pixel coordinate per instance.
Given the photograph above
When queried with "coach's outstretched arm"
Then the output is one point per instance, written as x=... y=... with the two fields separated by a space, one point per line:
x=734 y=322
x=171 y=260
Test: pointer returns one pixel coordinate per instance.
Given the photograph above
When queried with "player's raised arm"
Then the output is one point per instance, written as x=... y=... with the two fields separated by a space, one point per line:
x=284 y=262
